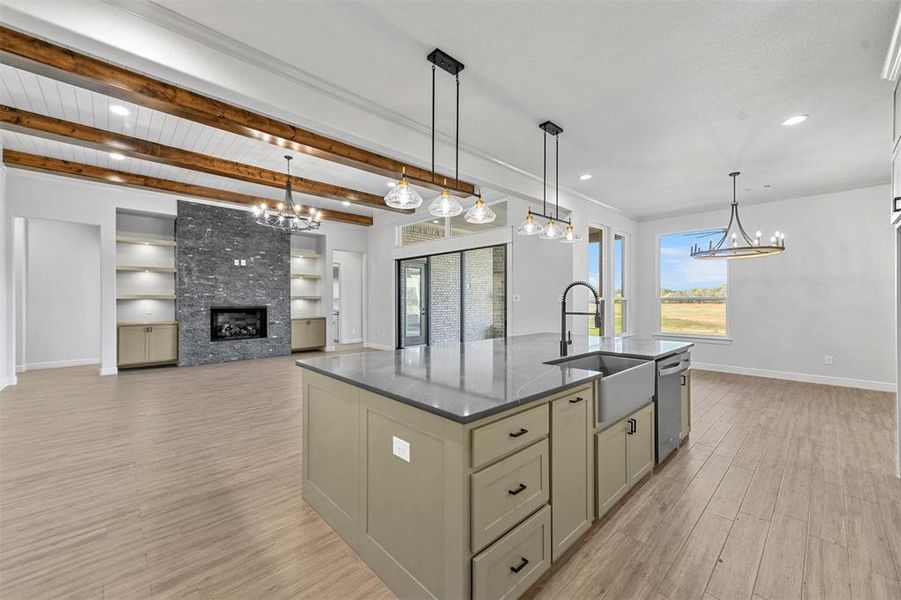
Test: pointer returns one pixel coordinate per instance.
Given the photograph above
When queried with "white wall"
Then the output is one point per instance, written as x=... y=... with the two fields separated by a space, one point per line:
x=40 y=196
x=350 y=282
x=7 y=376
x=62 y=323
x=830 y=293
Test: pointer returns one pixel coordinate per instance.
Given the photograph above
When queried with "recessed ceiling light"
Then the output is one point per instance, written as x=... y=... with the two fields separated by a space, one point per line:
x=794 y=120
x=118 y=109
x=346 y=203
x=585 y=176
x=436 y=221
x=116 y=156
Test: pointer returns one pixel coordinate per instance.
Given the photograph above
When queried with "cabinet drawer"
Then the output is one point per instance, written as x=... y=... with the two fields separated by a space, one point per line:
x=507 y=568
x=508 y=435
x=506 y=492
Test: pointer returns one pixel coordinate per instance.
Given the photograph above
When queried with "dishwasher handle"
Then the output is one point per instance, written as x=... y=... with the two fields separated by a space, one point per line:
x=674 y=368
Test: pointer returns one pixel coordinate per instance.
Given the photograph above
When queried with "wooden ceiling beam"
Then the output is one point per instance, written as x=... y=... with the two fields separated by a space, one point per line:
x=33 y=162
x=23 y=51
x=23 y=121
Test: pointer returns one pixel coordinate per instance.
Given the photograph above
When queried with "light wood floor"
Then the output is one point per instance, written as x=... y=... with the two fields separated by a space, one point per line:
x=186 y=483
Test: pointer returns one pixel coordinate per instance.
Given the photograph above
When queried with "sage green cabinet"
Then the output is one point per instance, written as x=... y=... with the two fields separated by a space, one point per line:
x=624 y=454
x=612 y=475
x=507 y=492
x=507 y=435
x=686 y=404
x=140 y=344
x=639 y=445
x=307 y=333
x=507 y=568
x=572 y=470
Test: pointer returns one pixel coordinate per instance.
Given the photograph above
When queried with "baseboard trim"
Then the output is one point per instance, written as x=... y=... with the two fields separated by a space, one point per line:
x=378 y=346
x=58 y=364
x=352 y=341
x=879 y=386
x=108 y=371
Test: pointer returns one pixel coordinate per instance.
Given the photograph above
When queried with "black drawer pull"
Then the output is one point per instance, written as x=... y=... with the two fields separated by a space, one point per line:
x=895 y=201
x=522 y=431
x=521 y=488
x=633 y=426
x=683 y=380
x=522 y=565
x=576 y=400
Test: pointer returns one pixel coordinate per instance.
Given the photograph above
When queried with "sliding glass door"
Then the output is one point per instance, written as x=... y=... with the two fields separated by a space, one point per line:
x=452 y=297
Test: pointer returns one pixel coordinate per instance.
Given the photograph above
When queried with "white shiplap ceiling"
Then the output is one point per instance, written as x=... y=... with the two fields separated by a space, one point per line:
x=27 y=91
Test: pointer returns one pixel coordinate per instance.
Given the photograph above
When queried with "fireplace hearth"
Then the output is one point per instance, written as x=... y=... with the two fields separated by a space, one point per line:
x=237 y=323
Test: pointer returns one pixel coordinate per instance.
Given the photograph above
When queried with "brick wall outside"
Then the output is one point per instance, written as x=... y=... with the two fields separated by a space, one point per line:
x=444 y=295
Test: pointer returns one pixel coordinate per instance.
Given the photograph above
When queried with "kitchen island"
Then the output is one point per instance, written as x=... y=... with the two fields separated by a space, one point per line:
x=463 y=470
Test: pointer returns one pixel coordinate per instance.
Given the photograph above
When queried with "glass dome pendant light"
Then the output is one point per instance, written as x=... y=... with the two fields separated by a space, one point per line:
x=479 y=213
x=445 y=205
x=735 y=242
x=402 y=195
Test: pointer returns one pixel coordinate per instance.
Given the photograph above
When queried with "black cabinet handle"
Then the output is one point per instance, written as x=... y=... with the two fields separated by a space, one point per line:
x=683 y=380
x=522 y=431
x=576 y=400
x=633 y=426
x=895 y=201
x=522 y=565
x=521 y=488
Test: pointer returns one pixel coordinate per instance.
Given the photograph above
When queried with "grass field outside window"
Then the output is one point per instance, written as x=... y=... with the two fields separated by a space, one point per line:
x=692 y=293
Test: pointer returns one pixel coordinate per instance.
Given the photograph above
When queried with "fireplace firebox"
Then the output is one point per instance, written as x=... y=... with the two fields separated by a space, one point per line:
x=237 y=323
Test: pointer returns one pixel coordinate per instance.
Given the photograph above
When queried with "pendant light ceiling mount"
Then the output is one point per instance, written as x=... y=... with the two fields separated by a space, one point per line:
x=552 y=230
x=735 y=242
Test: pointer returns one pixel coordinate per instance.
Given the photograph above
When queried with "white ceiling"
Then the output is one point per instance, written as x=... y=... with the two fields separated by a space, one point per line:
x=659 y=100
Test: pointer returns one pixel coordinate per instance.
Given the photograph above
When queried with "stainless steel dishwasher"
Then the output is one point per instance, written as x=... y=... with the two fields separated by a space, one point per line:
x=668 y=400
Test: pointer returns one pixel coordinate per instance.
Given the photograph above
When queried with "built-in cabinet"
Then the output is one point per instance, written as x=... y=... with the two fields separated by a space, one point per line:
x=147 y=333
x=686 y=405
x=572 y=465
x=308 y=334
x=141 y=344
x=624 y=455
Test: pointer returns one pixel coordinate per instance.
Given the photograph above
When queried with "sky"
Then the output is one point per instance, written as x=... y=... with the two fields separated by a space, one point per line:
x=679 y=271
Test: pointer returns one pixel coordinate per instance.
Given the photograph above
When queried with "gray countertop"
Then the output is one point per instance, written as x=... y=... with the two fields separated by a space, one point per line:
x=467 y=381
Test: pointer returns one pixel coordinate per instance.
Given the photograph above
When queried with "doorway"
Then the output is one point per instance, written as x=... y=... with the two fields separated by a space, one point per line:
x=347 y=296
x=414 y=278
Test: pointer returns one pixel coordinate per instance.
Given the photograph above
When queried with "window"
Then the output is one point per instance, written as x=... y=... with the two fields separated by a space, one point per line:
x=595 y=271
x=436 y=228
x=692 y=293
x=620 y=299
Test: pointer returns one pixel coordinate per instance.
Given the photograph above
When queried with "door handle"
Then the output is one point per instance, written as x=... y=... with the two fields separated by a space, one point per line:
x=522 y=431
x=521 y=488
x=522 y=565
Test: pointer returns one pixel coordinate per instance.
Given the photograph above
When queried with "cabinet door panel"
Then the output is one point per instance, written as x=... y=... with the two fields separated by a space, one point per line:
x=612 y=478
x=132 y=345
x=317 y=333
x=686 y=404
x=640 y=445
x=162 y=343
x=572 y=508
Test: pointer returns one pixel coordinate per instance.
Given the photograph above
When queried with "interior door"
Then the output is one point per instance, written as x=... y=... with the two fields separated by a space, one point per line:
x=415 y=308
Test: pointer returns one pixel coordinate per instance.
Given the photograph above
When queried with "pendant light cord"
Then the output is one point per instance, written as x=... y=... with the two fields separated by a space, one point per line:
x=557 y=173
x=457 y=137
x=544 y=179
x=433 y=123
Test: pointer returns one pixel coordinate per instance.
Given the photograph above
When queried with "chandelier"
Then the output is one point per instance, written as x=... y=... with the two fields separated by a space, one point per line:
x=736 y=243
x=288 y=214
x=553 y=229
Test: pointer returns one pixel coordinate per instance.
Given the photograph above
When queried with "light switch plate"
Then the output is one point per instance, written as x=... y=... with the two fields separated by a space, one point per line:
x=400 y=448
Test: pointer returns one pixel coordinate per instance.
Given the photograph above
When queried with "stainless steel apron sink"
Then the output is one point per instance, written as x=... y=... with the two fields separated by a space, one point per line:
x=627 y=383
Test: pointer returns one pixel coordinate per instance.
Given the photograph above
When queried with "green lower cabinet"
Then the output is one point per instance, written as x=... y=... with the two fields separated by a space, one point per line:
x=572 y=470
x=624 y=455
x=507 y=568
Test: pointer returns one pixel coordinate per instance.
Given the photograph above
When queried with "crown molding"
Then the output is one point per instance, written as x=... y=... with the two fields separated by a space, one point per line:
x=892 y=66
x=198 y=32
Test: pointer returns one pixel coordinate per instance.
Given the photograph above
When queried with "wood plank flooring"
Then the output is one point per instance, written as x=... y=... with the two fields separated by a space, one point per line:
x=186 y=483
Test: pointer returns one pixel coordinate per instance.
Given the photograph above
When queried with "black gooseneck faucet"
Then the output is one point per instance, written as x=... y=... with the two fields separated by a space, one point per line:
x=565 y=340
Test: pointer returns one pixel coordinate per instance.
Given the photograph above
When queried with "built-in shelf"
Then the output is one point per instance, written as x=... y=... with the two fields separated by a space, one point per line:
x=137 y=268
x=305 y=297
x=304 y=254
x=147 y=241
x=146 y=297
x=305 y=276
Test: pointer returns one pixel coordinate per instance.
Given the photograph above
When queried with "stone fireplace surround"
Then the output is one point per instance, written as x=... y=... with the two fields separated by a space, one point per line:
x=210 y=240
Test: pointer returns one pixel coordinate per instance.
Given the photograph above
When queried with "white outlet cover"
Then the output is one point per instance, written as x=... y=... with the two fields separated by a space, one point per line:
x=400 y=448
x=237 y=262
x=517 y=298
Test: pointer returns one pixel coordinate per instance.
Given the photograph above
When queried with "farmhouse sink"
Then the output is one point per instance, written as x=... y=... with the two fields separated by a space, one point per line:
x=627 y=383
